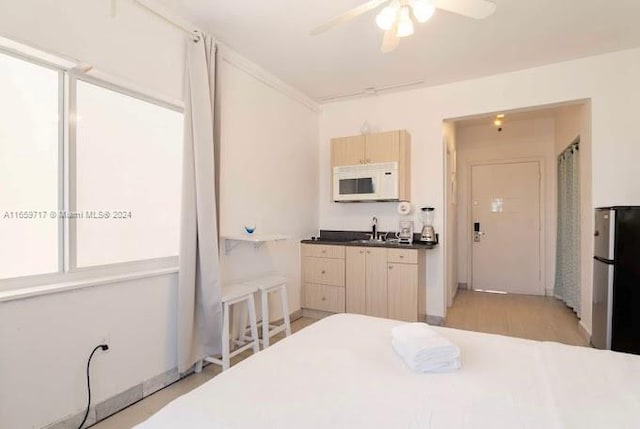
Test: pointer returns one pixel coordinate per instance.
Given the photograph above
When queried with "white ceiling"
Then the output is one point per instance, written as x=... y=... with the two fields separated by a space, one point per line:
x=448 y=48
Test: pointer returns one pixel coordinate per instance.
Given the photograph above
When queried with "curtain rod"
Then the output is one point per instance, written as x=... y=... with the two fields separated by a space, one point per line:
x=165 y=15
x=573 y=145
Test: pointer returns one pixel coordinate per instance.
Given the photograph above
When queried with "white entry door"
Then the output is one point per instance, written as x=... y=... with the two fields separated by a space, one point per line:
x=506 y=228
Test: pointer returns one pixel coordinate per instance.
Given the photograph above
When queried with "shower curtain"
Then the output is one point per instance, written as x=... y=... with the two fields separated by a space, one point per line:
x=567 y=281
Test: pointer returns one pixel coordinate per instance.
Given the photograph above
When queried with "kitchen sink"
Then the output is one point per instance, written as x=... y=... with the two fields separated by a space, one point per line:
x=371 y=242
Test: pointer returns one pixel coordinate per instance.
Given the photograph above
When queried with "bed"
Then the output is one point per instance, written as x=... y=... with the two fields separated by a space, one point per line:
x=341 y=372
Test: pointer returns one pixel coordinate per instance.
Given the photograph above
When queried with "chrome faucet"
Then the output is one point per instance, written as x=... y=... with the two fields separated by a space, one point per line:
x=374 y=228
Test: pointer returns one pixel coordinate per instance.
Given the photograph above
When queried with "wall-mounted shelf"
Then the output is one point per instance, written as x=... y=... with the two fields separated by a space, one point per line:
x=231 y=241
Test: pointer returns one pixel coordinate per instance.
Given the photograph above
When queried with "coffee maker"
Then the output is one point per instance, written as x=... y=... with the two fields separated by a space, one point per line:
x=405 y=235
x=428 y=234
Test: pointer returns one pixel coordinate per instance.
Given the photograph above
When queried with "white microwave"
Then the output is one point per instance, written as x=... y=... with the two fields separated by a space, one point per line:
x=366 y=182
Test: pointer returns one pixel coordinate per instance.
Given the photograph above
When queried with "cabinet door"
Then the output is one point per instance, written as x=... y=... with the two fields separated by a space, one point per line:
x=382 y=147
x=323 y=251
x=324 y=271
x=403 y=292
x=347 y=151
x=324 y=298
x=376 y=281
x=356 y=280
x=403 y=256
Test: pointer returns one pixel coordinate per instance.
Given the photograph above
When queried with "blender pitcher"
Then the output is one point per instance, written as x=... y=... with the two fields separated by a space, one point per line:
x=428 y=234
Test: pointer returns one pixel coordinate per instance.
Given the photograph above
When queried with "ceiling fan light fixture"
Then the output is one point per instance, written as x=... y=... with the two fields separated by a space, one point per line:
x=405 y=25
x=386 y=17
x=423 y=10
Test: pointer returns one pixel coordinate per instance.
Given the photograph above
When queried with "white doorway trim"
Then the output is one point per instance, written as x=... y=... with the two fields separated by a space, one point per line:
x=542 y=207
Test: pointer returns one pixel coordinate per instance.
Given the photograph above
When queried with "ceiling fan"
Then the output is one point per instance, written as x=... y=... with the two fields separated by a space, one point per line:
x=398 y=16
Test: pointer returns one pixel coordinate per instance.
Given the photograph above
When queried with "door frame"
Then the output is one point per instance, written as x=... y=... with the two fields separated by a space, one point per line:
x=542 y=215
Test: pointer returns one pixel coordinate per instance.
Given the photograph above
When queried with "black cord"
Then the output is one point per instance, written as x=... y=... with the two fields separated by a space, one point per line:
x=103 y=347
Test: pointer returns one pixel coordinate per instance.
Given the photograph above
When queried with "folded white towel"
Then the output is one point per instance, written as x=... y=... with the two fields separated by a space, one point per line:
x=423 y=350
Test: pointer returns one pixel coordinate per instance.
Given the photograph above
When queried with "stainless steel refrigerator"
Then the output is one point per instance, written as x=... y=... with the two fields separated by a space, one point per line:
x=616 y=279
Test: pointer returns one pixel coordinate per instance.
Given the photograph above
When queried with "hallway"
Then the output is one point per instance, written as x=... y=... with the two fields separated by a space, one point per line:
x=524 y=316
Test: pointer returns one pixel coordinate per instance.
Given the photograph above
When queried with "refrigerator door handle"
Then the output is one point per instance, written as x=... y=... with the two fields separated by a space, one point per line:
x=604 y=260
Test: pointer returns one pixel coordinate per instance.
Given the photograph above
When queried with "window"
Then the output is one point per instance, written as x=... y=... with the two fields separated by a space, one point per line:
x=128 y=164
x=29 y=168
x=87 y=183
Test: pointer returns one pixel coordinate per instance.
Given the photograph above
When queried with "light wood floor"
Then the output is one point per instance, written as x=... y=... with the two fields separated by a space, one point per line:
x=140 y=411
x=533 y=317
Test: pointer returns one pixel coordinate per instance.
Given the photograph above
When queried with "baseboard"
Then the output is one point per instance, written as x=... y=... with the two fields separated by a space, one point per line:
x=315 y=314
x=296 y=315
x=584 y=332
x=548 y=292
x=118 y=402
x=132 y=395
x=434 y=320
x=464 y=286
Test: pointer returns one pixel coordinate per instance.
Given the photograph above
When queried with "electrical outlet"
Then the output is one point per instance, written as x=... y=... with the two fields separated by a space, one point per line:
x=106 y=339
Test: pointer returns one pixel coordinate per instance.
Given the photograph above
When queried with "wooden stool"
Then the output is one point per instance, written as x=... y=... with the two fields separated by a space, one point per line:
x=233 y=295
x=266 y=285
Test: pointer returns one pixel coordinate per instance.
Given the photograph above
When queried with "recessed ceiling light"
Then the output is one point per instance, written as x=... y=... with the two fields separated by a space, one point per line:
x=500 y=116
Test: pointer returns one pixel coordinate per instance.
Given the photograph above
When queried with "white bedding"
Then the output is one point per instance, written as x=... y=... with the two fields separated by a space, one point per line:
x=341 y=372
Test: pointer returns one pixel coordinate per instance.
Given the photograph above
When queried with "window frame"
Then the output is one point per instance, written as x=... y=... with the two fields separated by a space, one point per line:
x=68 y=271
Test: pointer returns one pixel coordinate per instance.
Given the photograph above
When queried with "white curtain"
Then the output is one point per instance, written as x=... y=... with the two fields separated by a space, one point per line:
x=199 y=307
x=567 y=282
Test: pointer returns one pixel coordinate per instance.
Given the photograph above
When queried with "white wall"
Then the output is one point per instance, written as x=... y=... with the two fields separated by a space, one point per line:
x=268 y=149
x=269 y=176
x=571 y=122
x=46 y=341
x=615 y=136
x=134 y=45
x=520 y=140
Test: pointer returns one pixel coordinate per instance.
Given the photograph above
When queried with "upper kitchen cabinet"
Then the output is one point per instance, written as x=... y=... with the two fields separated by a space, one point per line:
x=379 y=148
x=347 y=151
x=382 y=147
x=391 y=146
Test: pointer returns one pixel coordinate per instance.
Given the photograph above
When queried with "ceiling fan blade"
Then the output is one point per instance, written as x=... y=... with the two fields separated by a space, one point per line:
x=347 y=16
x=390 y=41
x=477 y=9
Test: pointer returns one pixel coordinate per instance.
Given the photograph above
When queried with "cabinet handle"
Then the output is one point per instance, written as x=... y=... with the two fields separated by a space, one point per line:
x=324 y=299
x=324 y=251
x=369 y=252
x=368 y=161
x=391 y=267
x=362 y=161
x=361 y=252
x=322 y=272
x=401 y=256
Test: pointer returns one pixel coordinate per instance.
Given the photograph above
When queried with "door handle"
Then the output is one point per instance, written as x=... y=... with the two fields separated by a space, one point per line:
x=477 y=234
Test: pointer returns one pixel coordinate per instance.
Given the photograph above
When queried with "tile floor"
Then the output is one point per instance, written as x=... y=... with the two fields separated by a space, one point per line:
x=143 y=409
x=532 y=317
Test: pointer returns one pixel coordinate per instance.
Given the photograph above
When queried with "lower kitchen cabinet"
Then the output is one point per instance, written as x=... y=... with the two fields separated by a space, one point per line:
x=323 y=278
x=375 y=281
x=324 y=297
x=402 y=296
x=356 y=271
x=366 y=281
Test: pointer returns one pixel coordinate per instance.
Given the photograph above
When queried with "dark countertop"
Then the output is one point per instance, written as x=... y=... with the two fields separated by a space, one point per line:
x=355 y=238
x=390 y=245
